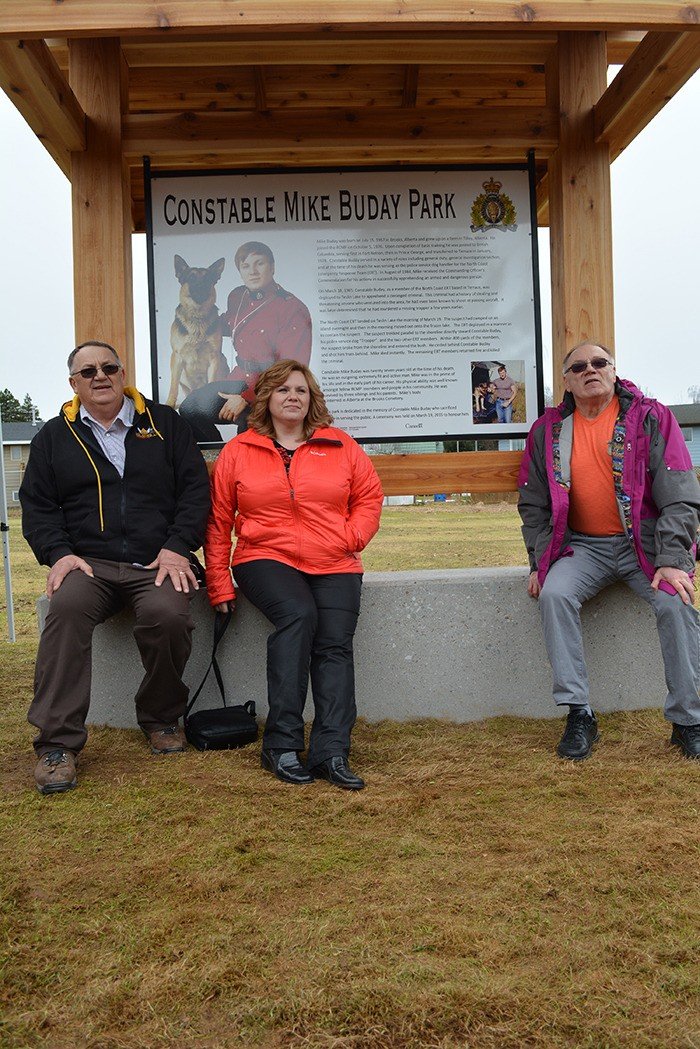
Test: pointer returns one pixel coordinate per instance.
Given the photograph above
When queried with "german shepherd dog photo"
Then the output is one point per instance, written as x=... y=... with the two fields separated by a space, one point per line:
x=195 y=335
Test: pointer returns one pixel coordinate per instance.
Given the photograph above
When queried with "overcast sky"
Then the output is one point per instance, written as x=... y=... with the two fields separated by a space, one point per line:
x=656 y=234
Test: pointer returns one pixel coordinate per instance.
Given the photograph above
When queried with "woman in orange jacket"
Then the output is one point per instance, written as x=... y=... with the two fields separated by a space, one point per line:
x=303 y=500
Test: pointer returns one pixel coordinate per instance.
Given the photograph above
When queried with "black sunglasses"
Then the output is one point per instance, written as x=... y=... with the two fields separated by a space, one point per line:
x=91 y=371
x=580 y=366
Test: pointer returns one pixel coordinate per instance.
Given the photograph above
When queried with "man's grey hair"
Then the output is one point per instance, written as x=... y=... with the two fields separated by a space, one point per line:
x=588 y=342
x=92 y=342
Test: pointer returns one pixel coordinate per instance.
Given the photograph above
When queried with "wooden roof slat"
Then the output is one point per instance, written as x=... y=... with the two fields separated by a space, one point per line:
x=260 y=89
x=132 y=17
x=410 y=87
x=659 y=67
x=317 y=87
x=364 y=133
x=219 y=87
x=33 y=81
x=360 y=48
x=481 y=86
x=222 y=88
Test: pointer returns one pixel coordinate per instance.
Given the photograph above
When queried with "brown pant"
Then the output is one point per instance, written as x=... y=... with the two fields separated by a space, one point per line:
x=163 y=633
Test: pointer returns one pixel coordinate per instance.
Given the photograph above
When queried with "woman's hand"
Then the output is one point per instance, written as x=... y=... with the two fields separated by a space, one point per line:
x=225 y=606
x=232 y=407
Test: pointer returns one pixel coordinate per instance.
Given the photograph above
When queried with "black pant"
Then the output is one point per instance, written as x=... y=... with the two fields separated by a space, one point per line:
x=201 y=409
x=315 y=617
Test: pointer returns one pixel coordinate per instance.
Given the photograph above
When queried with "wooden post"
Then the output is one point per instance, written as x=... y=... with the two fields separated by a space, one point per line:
x=101 y=202
x=579 y=203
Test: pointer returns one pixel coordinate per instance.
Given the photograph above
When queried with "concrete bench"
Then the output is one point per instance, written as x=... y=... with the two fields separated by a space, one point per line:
x=463 y=644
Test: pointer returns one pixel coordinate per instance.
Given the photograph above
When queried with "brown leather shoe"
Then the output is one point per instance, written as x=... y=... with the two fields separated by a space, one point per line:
x=55 y=772
x=170 y=740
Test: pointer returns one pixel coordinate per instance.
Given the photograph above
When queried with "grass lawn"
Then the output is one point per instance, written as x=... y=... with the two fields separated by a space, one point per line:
x=479 y=893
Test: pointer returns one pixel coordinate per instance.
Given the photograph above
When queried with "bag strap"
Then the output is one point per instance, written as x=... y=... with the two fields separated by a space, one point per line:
x=221 y=622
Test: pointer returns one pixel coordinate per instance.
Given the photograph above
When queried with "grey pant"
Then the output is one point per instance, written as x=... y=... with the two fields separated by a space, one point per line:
x=597 y=562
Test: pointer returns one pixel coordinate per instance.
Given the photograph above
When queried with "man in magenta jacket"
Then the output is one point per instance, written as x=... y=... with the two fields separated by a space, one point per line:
x=607 y=492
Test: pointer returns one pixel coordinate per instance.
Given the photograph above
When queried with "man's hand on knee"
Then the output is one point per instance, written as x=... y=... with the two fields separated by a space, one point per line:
x=178 y=568
x=679 y=580
x=60 y=570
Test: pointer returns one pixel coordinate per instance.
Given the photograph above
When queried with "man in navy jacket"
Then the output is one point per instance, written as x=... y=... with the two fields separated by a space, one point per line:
x=114 y=499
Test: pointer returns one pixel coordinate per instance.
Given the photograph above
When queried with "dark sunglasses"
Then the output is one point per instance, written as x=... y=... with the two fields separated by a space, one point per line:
x=596 y=362
x=91 y=371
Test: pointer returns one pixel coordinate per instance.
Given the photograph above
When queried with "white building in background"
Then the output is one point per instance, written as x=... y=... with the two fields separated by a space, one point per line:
x=688 y=417
x=16 y=438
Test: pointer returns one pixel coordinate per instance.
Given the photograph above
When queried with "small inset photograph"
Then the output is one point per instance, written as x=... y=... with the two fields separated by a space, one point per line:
x=498 y=392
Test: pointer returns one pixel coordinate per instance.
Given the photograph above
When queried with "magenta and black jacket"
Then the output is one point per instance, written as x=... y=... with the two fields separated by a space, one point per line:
x=657 y=490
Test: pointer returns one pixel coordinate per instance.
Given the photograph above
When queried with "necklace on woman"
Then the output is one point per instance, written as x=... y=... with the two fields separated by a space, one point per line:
x=285 y=454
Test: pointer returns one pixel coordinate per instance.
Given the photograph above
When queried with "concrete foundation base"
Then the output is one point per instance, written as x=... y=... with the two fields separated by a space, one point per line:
x=463 y=644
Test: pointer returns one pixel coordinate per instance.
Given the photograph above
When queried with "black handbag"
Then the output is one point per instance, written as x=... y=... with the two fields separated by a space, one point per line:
x=221 y=728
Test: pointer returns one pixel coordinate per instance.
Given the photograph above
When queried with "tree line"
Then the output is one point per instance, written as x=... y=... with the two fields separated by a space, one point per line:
x=14 y=411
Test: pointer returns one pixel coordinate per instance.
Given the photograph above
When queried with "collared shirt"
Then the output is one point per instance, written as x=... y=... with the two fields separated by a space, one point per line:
x=111 y=441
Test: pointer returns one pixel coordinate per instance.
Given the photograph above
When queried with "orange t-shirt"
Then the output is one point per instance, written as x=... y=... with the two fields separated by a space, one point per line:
x=592 y=504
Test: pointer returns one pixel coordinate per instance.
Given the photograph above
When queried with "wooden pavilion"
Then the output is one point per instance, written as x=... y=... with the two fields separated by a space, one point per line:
x=221 y=84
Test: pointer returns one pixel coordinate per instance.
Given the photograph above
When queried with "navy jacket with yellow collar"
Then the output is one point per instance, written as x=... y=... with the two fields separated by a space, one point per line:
x=74 y=501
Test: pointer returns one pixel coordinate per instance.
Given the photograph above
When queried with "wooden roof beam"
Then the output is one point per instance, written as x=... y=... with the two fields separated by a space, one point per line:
x=453 y=49
x=135 y=17
x=347 y=156
x=659 y=67
x=32 y=80
x=621 y=45
x=359 y=49
x=364 y=133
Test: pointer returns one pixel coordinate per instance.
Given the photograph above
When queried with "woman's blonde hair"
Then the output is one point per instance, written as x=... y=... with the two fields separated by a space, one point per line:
x=260 y=419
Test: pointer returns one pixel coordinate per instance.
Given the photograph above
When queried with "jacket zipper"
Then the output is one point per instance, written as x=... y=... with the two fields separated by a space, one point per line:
x=122 y=497
x=293 y=505
x=122 y=515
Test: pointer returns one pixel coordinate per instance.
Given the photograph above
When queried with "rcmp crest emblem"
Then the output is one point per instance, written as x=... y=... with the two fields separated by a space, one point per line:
x=493 y=209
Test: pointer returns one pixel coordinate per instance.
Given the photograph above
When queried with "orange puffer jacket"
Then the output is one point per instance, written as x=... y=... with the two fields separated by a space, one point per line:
x=316 y=519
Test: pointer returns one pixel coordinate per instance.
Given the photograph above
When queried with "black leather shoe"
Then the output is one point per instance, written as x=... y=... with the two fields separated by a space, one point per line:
x=580 y=734
x=687 y=737
x=285 y=765
x=337 y=771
